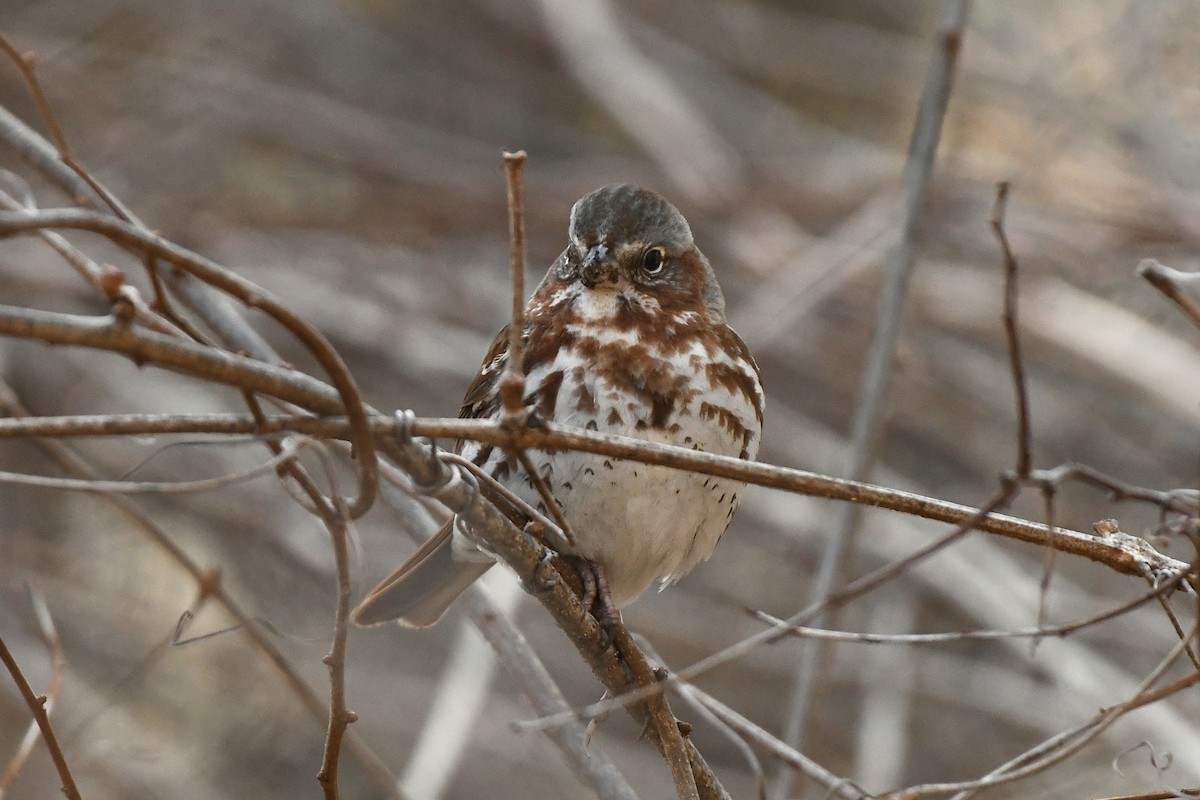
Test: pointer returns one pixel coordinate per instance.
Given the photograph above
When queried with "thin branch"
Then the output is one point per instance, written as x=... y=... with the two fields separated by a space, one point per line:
x=58 y=668
x=170 y=352
x=25 y=63
x=43 y=158
x=146 y=243
x=1174 y=794
x=1124 y=553
x=339 y=716
x=1061 y=631
x=695 y=698
x=1060 y=747
x=586 y=759
x=512 y=382
x=37 y=707
x=673 y=746
x=157 y=487
x=835 y=786
x=1012 y=332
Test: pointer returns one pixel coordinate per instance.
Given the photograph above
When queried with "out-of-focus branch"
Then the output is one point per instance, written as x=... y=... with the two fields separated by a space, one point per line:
x=1171 y=282
x=867 y=424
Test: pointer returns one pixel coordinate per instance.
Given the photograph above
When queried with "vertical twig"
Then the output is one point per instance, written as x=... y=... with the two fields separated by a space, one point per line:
x=867 y=424
x=37 y=707
x=1016 y=363
x=1012 y=332
x=512 y=383
x=1048 y=492
x=339 y=716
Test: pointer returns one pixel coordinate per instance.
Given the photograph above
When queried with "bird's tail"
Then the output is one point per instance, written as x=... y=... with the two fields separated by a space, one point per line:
x=418 y=593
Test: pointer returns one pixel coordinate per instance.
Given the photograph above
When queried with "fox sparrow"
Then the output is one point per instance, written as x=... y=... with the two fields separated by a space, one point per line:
x=626 y=334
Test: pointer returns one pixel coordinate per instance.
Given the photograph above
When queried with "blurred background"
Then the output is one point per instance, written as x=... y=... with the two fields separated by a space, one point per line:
x=346 y=155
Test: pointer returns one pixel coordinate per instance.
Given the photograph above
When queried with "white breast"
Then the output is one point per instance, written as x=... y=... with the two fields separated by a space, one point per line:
x=641 y=522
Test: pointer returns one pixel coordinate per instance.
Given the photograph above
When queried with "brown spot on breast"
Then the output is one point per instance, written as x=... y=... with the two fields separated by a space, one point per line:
x=614 y=418
x=547 y=394
x=725 y=418
x=501 y=472
x=660 y=409
x=749 y=381
x=585 y=401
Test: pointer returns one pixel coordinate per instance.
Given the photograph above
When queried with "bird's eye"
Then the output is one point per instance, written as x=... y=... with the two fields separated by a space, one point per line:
x=653 y=260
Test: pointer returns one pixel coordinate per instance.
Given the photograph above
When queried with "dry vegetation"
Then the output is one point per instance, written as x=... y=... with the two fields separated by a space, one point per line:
x=346 y=158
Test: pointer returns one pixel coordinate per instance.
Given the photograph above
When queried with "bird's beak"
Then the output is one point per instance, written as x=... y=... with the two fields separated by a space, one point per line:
x=599 y=268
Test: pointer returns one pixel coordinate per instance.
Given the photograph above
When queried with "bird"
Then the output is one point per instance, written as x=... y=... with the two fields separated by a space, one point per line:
x=626 y=334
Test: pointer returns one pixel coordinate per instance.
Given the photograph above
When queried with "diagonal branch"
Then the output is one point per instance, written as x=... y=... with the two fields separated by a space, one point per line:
x=454 y=488
x=37 y=707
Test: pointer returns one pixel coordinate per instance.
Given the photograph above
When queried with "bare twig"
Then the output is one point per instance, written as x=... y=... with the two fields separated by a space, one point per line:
x=156 y=487
x=37 y=707
x=58 y=668
x=674 y=747
x=1175 y=794
x=146 y=243
x=512 y=382
x=25 y=63
x=1066 y=629
x=1012 y=332
x=695 y=698
x=339 y=716
x=1016 y=363
x=1062 y=746
x=794 y=759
